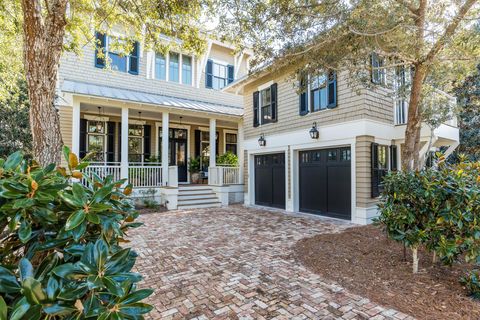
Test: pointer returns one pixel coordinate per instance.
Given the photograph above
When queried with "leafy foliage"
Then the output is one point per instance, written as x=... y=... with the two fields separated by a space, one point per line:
x=194 y=165
x=228 y=158
x=60 y=246
x=14 y=121
x=437 y=208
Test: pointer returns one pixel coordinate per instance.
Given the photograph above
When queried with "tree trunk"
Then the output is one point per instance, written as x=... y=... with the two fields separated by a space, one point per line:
x=415 y=259
x=43 y=41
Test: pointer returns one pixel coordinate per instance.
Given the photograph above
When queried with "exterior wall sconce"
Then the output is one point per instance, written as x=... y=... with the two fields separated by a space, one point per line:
x=261 y=141
x=314 y=134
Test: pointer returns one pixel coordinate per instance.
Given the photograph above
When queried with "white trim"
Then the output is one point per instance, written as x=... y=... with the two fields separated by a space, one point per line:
x=180 y=68
x=76 y=127
x=213 y=142
x=124 y=144
x=265 y=85
x=140 y=122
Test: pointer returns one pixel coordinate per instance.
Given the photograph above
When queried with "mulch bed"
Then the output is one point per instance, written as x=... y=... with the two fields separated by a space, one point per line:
x=365 y=262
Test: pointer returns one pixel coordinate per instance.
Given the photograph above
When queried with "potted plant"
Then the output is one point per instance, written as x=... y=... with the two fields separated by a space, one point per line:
x=194 y=168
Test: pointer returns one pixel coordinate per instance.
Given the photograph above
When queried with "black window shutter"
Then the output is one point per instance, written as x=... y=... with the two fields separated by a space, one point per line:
x=119 y=142
x=83 y=138
x=209 y=74
x=332 y=90
x=256 y=101
x=110 y=141
x=303 y=107
x=147 y=134
x=100 y=46
x=197 y=143
x=393 y=158
x=375 y=171
x=273 y=93
x=134 y=59
x=217 y=151
x=231 y=73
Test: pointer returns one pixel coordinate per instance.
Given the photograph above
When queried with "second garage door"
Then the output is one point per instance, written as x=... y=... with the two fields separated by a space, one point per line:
x=270 y=180
x=325 y=182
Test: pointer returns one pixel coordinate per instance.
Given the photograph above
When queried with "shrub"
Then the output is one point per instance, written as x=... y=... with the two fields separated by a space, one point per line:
x=60 y=246
x=228 y=158
x=438 y=208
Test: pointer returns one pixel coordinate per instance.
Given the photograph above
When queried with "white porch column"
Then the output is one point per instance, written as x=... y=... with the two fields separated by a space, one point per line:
x=213 y=145
x=165 y=138
x=124 y=143
x=240 y=151
x=76 y=128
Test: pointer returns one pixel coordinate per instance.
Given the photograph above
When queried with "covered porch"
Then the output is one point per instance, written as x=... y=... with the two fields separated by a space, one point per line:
x=127 y=140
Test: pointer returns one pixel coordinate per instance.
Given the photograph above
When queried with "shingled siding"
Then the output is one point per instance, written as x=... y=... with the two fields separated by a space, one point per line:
x=364 y=171
x=82 y=69
x=350 y=106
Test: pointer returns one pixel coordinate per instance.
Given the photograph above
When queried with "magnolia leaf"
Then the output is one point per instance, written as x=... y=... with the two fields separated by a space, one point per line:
x=3 y=309
x=136 y=296
x=74 y=220
x=26 y=269
x=13 y=161
x=20 y=308
x=24 y=232
x=72 y=160
x=32 y=288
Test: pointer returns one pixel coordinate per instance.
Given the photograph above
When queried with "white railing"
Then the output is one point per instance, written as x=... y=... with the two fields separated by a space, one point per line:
x=102 y=171
x=220 y=176
x=173 y=176
x=145 y=176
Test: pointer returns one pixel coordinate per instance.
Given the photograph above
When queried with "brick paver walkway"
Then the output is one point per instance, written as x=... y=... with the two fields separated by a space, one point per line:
x=237 y=263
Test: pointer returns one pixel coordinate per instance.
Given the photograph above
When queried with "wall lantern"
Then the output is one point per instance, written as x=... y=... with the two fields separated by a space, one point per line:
x=99 y=124
x=314 y=134
x=261 y=141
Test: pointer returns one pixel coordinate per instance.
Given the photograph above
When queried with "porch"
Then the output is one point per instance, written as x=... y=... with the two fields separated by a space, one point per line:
x=126 y=140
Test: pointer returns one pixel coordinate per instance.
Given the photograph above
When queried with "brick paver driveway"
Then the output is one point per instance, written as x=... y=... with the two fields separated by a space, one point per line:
x=237 y=263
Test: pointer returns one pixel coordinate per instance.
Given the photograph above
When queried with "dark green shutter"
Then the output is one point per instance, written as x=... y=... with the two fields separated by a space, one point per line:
x=147 y=134
x=375 y=171
x=83 y=138
x=100 y=46
x=231 y=73
x=256 y=102
x=119 y=141
x=217 y=137
x=134 y=59
x=332 y=90
x=273 y=95
x=197 y=143
x=110 y=141
x=303 y=108
x=393 y=158
x=209 y=74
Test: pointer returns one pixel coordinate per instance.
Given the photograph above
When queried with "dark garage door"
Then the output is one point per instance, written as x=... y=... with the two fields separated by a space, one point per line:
x=325 y=182
x=270 y=180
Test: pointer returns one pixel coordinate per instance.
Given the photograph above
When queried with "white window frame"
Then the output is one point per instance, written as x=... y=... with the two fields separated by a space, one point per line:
x=397 y=116
x=225 y=132
x=107 y=53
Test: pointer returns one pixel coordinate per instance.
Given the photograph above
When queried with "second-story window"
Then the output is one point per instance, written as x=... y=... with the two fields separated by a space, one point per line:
x=318 y=92
x=173 y=71
x=186 y=69
x=265 y=105
x=402 y=78
x=110 y=49
x=160 y=67
x=218 y=75
x=378 y=69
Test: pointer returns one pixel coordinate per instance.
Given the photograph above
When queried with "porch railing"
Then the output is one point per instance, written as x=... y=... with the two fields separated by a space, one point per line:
x=145 y=176
x=219 y=176
x=102 y=170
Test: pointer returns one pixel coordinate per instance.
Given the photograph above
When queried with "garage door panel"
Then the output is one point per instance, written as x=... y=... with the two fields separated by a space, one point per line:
x=324 y=182
x=270 y=180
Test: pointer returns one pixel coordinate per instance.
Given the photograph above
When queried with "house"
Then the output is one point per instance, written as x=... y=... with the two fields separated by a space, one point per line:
x=121 y=106
x=320 y=151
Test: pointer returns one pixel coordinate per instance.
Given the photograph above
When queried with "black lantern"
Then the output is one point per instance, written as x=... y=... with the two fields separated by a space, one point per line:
x=99 y=124
x=261 y=141
x=314 y=134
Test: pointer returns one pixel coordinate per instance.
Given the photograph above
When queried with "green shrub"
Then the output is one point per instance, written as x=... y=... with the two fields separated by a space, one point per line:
x=438 y=208
x=472 y=282
x=228 y=158
x=194 y=165
x=60 y=244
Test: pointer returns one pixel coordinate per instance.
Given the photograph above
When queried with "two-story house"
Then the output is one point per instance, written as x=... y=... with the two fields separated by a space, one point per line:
x=323 y=149
x=144 y=116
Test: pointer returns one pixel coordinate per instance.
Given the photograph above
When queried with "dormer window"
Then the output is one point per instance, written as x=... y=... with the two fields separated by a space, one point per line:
x=173 y=71
x=218 y=75
x=108 y=47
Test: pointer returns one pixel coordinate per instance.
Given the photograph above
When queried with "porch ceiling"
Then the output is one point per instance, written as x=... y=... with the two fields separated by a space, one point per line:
x=92 y=90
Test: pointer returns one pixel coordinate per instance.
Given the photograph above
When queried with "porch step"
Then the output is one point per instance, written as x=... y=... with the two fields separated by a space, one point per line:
x=197 y=196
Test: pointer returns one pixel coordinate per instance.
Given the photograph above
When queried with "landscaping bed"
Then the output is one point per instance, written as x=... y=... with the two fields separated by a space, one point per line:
x=365 y=262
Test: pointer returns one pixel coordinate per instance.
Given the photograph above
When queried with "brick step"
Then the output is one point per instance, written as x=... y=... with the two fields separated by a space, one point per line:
x=197 y=201
x=194 y=196
x=202 y=205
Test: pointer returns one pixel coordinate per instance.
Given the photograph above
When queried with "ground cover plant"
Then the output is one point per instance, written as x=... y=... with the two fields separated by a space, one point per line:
x=60 y=244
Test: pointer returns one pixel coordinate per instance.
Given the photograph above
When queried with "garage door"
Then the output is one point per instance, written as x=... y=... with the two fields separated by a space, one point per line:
x=270 y=180
x=325 y=182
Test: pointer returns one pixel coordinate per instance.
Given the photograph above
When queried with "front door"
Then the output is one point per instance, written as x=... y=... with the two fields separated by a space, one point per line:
x=177 y=146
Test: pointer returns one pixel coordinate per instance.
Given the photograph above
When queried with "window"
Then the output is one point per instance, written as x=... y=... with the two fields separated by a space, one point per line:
x=173 y=71
x=96 y=140
x=318 y=93
x=160 y=67
x=218 y=75
x=205 y=149
x=135 y=143
x=378 y=70
x=379 y=167
x=111 y=48
x=400 y=86
x=186 y=70
x=231 y=142
x=265 y=105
